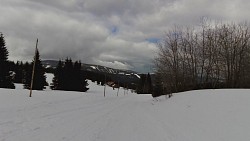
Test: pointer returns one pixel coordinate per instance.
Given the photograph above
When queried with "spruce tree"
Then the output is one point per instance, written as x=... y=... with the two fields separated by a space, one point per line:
x=149 y=84
x=27 y=72
x=18 y=72
x=57 y=82
x=158 y=88
x=144 y=85
x=141 y=84
x=6 y=80
x=69 y=77
x=39 y=82
x=79 y=79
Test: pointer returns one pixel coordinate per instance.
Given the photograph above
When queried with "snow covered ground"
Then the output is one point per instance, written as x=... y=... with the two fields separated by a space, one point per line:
x=205 y=115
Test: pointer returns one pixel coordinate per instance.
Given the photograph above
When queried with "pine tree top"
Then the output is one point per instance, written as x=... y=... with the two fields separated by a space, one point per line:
x=3 y=50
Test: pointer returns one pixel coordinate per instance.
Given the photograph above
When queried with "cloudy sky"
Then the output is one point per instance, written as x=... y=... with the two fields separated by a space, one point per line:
x=114 y=33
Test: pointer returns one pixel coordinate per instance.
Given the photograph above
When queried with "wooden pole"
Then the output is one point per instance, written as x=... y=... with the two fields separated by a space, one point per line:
x=33 y=70
x=118 y=88
x=105 y=86
x=124 y=88
x=127 y=88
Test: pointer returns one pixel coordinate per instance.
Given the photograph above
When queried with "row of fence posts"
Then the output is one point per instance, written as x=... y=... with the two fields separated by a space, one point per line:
x=104 y=93
x=33 y=74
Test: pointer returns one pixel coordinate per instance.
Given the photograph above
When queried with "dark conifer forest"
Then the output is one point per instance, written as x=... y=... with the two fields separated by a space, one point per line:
x=6 y=75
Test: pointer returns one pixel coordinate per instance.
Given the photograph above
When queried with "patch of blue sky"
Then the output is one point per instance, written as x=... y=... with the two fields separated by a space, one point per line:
x=114 y=29
x=153 y=40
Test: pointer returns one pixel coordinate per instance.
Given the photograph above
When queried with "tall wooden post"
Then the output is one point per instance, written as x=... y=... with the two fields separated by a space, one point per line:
x=33 y=70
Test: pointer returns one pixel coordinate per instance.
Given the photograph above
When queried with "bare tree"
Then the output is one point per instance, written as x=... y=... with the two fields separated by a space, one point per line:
x=213 y=56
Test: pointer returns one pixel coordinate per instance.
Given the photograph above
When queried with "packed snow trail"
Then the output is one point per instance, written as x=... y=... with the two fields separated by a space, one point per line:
x=217 y=115
x=74 y=116
x=58 y=115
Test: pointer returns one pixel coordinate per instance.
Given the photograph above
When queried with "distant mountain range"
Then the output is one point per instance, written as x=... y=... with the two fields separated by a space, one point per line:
x=93 y=68
x=122 y=76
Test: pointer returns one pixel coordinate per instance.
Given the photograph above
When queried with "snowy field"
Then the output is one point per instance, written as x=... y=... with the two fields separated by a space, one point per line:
x=206 y=115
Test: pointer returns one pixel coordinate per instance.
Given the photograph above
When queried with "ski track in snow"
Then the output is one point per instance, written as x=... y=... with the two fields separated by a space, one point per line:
x=209 y=115
x=84 y=116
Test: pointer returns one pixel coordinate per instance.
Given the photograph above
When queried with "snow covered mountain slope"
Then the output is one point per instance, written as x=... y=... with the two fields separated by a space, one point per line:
x=98 y=73
x=206 y=115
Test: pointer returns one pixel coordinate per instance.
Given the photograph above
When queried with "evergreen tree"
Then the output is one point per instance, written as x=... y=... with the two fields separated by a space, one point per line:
x=39 y=81
x=6 y=80
x=149 y=84
x=19 y=72
x=76 y=76
x=140 y=85
x=144 y=85
x=158 y=88
x=27 y=72
x=69 y=77
x=79 y=79
x=57 y=82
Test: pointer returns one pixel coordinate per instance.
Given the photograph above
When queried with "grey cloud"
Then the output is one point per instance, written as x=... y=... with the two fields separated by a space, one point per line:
x=82 y=29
